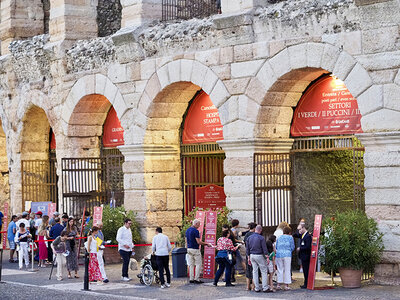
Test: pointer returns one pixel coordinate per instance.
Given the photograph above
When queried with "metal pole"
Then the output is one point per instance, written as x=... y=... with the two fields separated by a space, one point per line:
x=33 y=259
x=86 y=277
x=1 y=262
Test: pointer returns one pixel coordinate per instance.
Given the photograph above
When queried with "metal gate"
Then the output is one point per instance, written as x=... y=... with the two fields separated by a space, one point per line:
x=90 y=182
x=272 y=188
x=188 y=9
x=202 y=164
x=39 y=181
x=273 y=177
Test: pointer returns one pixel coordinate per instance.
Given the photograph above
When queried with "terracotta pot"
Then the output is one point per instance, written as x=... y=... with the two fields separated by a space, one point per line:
x=350 y=278
x=111 y=255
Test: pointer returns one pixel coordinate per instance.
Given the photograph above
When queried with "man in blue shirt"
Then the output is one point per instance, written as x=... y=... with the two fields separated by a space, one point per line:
x=1 y=222
x=11 y=230
x=256 y=250
x=56 y=229
x=193 y=243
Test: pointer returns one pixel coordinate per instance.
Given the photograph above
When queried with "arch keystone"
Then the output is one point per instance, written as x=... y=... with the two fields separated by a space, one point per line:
x=297 y=56
x=314 y=55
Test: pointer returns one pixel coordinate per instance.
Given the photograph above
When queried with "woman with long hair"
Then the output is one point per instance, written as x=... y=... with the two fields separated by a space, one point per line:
x=43 y=235
x=72 y=258
x=94 y=268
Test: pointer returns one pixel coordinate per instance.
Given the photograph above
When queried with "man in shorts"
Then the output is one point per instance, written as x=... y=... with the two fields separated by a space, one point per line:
x=11 y=230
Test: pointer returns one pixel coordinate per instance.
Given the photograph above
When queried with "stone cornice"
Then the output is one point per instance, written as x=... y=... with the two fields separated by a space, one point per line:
x=140 y=152
x=248 y=147
x=380 y=139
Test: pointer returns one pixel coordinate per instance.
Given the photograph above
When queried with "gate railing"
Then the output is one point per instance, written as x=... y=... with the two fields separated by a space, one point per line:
x=189 y=9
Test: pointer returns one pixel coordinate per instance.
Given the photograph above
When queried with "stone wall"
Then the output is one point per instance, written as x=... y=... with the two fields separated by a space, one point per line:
x=254 y=64
x=109 y=14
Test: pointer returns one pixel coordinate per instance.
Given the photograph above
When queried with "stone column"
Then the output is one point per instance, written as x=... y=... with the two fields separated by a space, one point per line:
x=72 y=20
x=19 y=21
x=238 y=168
x=138 y=12
x=229 y=6
x=153 y=187
x=382 y=184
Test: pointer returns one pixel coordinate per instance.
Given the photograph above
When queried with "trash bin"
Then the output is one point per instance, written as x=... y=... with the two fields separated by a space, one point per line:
x=179 y=266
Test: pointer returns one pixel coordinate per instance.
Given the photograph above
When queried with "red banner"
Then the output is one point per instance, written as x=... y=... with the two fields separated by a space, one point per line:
x=326 y=108
x=202 y=123
x=5 y=225
x=200 y=215
x=113 y=133
x=314 y=252
x=210 y=196
x=97 y=215
x=210 y=237
x=51 y=209
x=52 y=141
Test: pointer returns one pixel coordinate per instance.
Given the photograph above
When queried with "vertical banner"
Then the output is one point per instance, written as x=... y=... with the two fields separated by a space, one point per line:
x=97 y=215
x=314 y=252
x=210 y=237
x=200 y=214
x=51 y=210
x=5 y=225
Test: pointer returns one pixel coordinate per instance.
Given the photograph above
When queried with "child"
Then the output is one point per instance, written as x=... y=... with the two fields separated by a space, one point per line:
x=271 y=266
x=23 y=237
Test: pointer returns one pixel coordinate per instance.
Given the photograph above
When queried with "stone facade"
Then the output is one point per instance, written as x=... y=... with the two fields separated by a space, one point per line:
x=254 y=60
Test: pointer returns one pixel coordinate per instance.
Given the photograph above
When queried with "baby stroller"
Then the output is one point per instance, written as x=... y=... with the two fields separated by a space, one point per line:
x=149 y=270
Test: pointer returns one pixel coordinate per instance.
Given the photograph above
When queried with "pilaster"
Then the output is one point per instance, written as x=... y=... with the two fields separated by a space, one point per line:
x=138 y=12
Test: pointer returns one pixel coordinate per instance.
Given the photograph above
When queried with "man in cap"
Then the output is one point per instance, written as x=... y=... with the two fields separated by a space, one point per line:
x=52 y=220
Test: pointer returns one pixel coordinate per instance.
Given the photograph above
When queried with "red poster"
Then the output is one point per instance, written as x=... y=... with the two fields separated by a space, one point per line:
x=210 y=237
x=210 y=196
x=202 y=123
x=326 y=108
x=97 y=215
x=314 y=252
x=200 y=215
x=51 y=209
x=113 y=133
x=5 y=225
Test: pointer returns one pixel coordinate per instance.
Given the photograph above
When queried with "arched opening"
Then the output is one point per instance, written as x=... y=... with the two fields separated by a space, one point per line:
x=92 y=175
x=324 y=171
x=38 y=163
x=4 y=173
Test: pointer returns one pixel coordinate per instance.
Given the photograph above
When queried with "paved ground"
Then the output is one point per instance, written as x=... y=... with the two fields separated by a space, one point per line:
x=37 y=285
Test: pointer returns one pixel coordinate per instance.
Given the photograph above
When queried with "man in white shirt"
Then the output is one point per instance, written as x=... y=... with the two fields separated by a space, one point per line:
x=125 y=247
x=24 y=219
x=161 y=247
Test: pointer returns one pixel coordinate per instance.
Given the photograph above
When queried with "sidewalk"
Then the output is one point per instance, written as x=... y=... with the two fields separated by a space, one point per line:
x=180 y=289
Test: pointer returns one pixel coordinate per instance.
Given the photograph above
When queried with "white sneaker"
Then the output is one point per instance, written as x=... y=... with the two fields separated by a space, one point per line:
x=126 y=279
x=167 y=284
x=163 y=286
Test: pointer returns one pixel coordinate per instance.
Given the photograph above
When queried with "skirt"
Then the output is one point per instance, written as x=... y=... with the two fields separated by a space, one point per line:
x=42 y=248
x=94 y=269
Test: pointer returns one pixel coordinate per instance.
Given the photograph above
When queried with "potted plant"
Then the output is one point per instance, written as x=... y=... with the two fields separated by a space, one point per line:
x=113 y=219
x=352 y=245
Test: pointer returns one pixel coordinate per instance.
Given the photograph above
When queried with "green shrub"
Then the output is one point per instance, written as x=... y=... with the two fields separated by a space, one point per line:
x=223 y=214
x=351 y=240
x=113 y=219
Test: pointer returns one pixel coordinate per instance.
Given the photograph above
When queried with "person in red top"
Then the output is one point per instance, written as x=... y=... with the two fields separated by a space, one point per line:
x=224 y=258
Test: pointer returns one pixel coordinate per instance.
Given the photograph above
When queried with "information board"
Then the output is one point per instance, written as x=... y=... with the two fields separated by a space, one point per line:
x=97 y=215
x=210 y=237
x=40 y=206
x=314 y=252
x=211 y=196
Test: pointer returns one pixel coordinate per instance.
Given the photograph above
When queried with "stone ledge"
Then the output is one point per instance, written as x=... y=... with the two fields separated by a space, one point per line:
x=368 y=2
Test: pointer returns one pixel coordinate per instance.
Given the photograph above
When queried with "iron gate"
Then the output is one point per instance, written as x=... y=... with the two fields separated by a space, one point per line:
x=202 y=164
x=272 y=188
x=90 y=182
x=188 y=9
x=39 y=181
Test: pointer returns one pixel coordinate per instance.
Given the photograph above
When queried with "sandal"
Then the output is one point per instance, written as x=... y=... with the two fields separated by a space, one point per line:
x=69 y=276
x=287 y=288
x=278 y=287
x=76 y=276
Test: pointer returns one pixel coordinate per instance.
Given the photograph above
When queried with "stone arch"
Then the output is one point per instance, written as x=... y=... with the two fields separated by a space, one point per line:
x=279 y=83
x=167 y=94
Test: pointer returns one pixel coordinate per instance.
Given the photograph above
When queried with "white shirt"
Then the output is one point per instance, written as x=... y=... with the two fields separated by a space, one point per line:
x=38 y=222
x=25 y=221
x=124 y=237
x=161 y=245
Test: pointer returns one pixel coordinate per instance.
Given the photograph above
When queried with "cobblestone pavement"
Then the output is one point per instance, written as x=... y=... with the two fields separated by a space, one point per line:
x=37 y=285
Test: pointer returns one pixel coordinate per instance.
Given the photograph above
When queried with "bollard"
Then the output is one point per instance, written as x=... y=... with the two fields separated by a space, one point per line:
x=33 y=260
x=1 y=262
x=86 y=277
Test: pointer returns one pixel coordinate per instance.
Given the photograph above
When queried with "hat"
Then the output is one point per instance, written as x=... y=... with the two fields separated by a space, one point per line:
x=24 y=214
x=39 y=213
x=56 y=213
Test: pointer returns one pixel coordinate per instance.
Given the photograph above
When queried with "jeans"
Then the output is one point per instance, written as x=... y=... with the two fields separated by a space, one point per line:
x=223 y=264
x=163 y=264
x=126 y=256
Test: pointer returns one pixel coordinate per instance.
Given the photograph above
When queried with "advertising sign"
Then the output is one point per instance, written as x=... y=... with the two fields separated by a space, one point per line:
x=5 y=225
x=210 y=196
x=326 y=108
x=40 y=206
x=202 y=123
x=97 y=215
x=314 y=252
x=200 y=215
x=51 y=209
x=113 y=133
x=210 y=237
